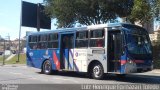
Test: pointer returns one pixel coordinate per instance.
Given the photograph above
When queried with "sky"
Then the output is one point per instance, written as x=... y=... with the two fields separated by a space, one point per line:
x=10 y=11
x=10 y=19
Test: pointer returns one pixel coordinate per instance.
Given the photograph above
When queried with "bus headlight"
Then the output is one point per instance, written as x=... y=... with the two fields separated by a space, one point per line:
x=130 y=61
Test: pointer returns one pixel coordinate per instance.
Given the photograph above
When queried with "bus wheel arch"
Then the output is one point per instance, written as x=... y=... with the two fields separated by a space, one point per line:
x=42 y=66
x=46 y=67
x=95 y=70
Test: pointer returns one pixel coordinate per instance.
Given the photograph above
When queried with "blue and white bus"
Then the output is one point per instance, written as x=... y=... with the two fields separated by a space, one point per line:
x=97 y=49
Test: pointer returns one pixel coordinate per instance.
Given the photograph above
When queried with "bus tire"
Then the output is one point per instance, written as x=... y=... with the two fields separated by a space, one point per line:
x=97 y=71
x=47 y=67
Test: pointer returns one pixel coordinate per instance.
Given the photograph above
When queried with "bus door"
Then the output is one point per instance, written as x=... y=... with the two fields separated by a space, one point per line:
x=66 y=44
x=114 y=50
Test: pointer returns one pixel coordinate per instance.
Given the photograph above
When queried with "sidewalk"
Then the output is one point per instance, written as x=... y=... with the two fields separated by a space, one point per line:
x=154 y=73
x=157 y=71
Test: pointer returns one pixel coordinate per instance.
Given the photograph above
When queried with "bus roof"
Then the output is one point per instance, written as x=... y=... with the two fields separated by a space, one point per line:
x=90 y=27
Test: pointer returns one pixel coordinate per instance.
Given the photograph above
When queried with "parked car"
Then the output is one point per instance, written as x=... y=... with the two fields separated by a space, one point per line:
x=13 y=52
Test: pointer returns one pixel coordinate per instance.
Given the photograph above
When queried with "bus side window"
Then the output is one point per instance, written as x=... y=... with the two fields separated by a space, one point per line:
x=53 y=40
x=97 y=38
x=34 y=46
x=72 y=42
x=82 y=39
x=42 y=41
x=33 y=42
x=99 y=43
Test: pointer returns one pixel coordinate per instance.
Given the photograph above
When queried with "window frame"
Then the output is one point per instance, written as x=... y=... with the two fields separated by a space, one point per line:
x=82 y=39
x=39 y=42
x=53 y=41
x=30 y=41
x=94 y=38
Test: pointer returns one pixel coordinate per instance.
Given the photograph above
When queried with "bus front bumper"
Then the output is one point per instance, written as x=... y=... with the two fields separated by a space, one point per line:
x=134 y=68
x=144 y=68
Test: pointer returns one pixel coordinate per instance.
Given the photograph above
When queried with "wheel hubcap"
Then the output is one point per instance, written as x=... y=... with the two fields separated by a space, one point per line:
x=47 y=67
x=97 y=71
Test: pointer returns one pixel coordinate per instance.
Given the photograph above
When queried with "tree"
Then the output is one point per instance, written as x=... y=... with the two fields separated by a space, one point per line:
x=143 y=11
x=157 y=10
x=87 y=12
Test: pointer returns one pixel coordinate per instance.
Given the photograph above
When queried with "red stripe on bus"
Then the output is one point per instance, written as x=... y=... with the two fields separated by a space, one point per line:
x=138 y=61
x=123 y=61
x=56 y=61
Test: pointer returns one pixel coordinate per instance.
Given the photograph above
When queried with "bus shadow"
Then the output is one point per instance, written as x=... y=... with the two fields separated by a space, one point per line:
x=72 y=74
x=68 y=74
x=142 y=79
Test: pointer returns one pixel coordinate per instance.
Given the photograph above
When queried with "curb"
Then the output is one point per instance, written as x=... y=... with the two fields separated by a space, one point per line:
x=13 y=65
x=144 y=76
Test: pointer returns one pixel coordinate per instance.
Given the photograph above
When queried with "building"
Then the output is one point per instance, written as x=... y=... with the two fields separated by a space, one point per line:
x=12 y=44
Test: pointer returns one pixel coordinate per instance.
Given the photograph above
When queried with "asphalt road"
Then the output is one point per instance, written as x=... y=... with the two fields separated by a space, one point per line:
x=31 y=77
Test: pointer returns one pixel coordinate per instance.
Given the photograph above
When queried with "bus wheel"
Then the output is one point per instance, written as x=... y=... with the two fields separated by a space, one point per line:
x=97 y=71
x=47 y=67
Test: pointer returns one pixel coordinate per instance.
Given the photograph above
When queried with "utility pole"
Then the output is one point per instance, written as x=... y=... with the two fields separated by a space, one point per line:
x=19 y=43
x=4 y=53
x=9 y=42
x=38 y=17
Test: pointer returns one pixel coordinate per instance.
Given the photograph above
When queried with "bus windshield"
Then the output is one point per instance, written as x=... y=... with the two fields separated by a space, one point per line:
x=138 y=42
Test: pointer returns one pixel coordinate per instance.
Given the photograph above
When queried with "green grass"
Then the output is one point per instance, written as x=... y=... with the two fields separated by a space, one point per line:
x=22 y=59
x=1 y=58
